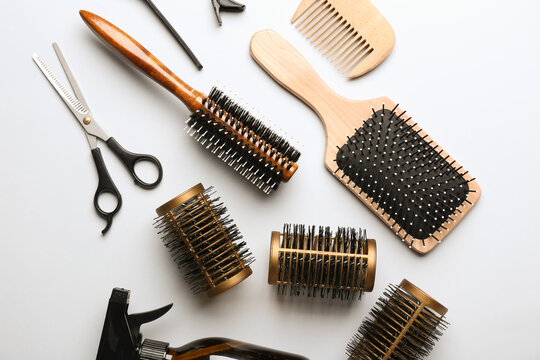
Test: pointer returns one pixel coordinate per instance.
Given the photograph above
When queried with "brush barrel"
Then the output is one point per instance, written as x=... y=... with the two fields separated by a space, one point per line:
x=143 y=59
x=203 y=241
x=317 y=261
x=405 y=322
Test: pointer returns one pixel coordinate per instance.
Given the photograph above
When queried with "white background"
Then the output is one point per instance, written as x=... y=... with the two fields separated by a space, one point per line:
x=466 y=70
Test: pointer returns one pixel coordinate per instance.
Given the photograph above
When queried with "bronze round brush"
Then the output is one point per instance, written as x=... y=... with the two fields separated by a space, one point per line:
x=404 y=324
x=230 y=132
x=204 y=241
x=310 y=261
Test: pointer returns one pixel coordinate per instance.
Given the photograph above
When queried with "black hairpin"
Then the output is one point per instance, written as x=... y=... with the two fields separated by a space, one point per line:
x=175 y=34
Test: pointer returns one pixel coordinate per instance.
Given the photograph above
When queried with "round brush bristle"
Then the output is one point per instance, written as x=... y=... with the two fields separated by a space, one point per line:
x=404 y=324
x=243 y=142
x=316 y=262
x=204 y=241
x=404 y=174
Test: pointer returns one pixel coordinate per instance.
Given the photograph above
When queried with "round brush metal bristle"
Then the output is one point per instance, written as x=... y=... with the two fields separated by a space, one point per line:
x=243 y=142
x=404 y=324
x=316 y=262
x=204 y=241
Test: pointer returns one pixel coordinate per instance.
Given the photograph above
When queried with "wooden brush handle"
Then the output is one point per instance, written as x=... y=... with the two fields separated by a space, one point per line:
x=143 y=59
x=285 y=64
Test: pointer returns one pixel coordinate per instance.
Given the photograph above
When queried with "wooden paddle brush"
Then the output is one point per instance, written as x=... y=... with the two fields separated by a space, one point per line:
x=217 y=122
x=378 y=152
x=353 y=35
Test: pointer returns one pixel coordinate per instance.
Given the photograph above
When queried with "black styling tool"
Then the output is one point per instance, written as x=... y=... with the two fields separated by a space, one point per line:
x=121 y=339
x=226 y=5
x=175 y=34
x=78 y=106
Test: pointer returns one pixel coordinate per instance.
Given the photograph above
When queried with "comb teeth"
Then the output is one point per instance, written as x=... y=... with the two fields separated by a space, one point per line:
x=404 y=324
x=239 y=139
x=404 y=174
x=320 y=263
x=204 y=241
x=334 y=35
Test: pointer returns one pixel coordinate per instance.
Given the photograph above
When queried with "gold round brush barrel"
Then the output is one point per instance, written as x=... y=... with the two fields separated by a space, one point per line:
x=310 y=261
x=404 y=324
x=204 y=241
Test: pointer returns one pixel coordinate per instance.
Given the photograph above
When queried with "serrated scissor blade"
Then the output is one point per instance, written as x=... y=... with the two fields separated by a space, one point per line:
x=73 y=103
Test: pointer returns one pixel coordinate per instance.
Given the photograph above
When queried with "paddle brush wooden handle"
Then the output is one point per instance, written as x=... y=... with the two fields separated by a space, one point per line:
x=289 y=68
x=143 y=59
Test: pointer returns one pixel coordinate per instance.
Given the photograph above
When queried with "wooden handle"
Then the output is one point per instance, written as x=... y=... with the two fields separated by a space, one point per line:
x=285 y=64
x=142 y=58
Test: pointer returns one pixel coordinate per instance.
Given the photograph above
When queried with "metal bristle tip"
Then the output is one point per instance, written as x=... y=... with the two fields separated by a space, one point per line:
x=316 y=262
x=243 y=142
x=404 y=324
x=204 y=241
x=407 y=177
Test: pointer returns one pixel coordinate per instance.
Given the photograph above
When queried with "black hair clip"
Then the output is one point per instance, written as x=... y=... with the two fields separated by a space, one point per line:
x=226 y=5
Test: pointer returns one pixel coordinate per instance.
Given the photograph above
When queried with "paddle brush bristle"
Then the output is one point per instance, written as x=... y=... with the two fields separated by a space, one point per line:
x=243 y=142
x=404 y=174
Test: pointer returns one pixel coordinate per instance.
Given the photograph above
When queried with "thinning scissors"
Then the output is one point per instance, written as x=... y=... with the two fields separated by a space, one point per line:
x=78 y=106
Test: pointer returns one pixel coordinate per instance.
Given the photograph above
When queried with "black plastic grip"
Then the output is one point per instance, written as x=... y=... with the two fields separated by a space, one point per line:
x=130 y=159
x=105 y=185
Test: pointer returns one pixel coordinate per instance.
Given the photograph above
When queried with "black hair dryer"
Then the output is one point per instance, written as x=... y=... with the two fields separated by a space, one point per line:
x=121 y=339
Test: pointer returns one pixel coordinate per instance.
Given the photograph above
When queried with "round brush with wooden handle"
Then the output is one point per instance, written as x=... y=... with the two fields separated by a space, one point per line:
x=225 y=128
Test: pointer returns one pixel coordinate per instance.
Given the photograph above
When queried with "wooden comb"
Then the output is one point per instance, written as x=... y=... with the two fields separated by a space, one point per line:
x=353 y=35
x=381 y=155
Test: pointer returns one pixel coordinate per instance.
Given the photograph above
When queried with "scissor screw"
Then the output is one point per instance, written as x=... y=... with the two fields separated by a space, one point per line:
x=87 y=120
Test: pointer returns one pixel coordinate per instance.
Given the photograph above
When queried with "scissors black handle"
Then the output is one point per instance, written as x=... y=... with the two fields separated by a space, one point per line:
x=105 y=185
x=130 y=159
